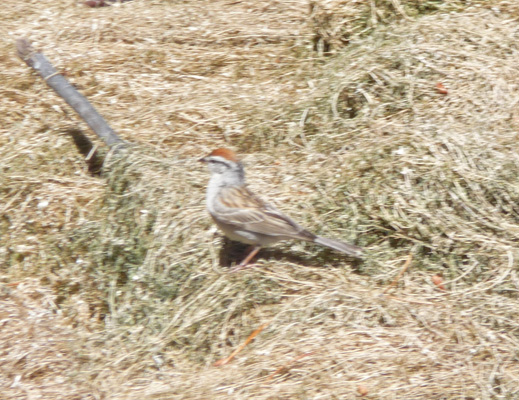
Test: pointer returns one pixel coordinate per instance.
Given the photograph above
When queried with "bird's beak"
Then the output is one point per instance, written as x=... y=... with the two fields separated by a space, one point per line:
x=202 y=160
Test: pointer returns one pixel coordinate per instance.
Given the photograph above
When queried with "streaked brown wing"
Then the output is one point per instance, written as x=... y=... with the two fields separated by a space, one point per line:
x=244 y=210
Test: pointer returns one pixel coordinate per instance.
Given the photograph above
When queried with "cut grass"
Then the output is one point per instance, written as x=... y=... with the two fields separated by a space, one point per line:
x=359 y=146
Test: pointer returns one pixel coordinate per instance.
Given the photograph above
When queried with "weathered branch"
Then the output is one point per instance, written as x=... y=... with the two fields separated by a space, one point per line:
x=63 y=88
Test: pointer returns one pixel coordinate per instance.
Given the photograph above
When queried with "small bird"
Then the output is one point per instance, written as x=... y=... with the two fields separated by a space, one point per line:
x=244 y=217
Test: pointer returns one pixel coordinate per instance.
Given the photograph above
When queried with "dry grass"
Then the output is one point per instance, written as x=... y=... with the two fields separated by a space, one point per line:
x=116 y=286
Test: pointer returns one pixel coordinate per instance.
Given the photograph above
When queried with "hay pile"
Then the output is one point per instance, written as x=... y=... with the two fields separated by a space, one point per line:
x=361 y=146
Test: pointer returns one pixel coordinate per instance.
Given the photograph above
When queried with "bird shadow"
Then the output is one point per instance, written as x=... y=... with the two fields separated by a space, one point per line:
x=232 y=253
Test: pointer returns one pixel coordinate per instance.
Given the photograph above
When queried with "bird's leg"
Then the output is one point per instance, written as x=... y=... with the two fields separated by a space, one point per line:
x=251 y=255
x=245 y=262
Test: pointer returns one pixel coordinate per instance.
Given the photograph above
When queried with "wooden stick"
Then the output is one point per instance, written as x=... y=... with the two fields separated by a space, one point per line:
x=402 y=272
x=288 y=364
x=64 y=89
x=224 y=361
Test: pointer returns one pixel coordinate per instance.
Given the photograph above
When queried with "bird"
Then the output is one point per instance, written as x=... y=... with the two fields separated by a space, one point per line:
x=244 y=217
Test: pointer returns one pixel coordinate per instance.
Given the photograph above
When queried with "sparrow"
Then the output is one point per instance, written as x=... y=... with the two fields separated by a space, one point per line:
x=244 y=217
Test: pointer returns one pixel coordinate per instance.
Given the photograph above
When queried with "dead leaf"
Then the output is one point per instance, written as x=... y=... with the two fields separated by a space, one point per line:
x=362 y=390
x=437 y=279
x=441 y=89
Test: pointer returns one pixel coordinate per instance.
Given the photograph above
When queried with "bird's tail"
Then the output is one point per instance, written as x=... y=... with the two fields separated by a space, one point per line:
x=346 y=248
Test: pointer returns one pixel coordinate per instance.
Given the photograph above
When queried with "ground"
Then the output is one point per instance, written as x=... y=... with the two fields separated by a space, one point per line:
x=389 y=124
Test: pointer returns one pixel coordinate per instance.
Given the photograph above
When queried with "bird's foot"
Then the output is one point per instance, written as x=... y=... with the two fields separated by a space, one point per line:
x=245 y=263
x=241 y=267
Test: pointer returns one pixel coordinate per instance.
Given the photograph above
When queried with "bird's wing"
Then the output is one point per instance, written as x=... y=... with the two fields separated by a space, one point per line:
x=238 y=206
